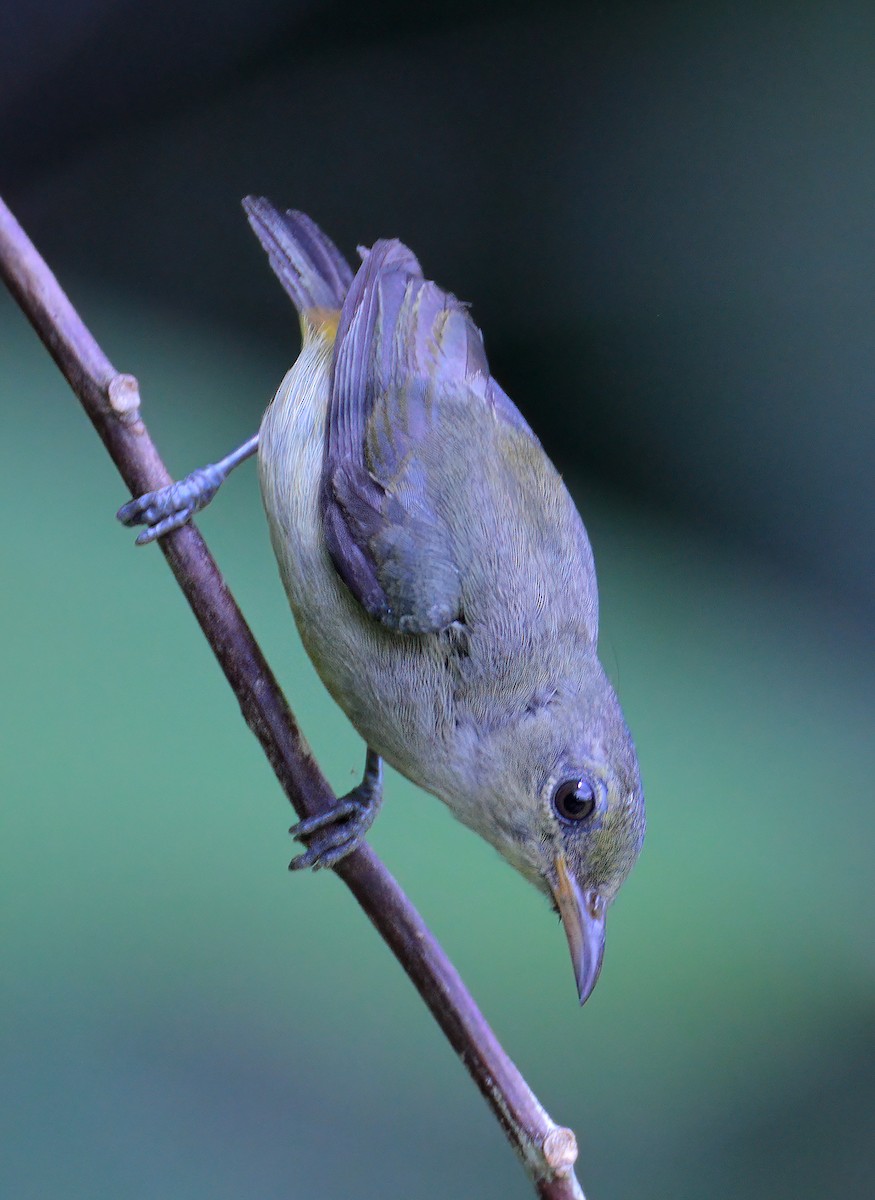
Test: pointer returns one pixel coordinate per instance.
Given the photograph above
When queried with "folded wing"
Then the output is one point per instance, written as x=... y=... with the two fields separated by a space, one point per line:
x=406 y=353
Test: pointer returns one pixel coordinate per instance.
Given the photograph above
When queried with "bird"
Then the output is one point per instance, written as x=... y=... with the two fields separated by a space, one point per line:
x=440 y=577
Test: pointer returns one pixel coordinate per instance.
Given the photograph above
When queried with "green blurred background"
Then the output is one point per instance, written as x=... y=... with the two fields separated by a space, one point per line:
x=663 y=216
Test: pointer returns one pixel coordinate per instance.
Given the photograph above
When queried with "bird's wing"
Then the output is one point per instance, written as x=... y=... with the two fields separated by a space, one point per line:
x=405 y=351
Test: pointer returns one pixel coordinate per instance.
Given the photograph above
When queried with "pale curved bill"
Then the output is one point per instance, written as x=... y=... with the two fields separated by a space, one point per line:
x=583 y=916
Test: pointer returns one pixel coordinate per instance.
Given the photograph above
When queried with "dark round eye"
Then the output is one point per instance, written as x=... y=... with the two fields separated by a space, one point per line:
x=574 y=800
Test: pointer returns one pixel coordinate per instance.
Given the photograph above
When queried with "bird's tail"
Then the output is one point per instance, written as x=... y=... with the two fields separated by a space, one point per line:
x=307 y=263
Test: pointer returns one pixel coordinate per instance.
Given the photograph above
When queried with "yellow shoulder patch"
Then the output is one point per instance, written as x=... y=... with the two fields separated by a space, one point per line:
x=320 y=322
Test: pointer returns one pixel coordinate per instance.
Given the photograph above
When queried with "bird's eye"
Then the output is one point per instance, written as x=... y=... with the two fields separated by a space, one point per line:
x=574 y=800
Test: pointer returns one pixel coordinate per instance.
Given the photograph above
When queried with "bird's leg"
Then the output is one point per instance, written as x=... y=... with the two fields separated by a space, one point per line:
x=332 y=835
x=177 y=503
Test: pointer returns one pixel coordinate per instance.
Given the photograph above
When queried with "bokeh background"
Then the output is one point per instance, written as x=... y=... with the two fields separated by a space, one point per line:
x=663 y=217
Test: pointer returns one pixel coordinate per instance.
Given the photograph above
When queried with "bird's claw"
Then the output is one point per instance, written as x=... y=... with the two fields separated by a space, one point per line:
x=171 y=506
x=335 y=833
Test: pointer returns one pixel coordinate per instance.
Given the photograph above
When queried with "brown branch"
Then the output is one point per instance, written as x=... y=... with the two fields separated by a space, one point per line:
x=112 y=402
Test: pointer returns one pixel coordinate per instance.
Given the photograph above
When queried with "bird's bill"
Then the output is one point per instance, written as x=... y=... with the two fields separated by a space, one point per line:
x=583 y=916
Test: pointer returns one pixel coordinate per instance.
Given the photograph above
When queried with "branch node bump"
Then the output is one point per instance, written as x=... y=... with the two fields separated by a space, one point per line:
x=124 y=398
x=560 y=1150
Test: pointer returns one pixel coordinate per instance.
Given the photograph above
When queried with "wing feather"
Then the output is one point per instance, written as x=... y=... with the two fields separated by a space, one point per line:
x=404 y=350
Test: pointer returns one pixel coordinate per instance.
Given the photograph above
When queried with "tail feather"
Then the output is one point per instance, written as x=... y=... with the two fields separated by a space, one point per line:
x=307 y=263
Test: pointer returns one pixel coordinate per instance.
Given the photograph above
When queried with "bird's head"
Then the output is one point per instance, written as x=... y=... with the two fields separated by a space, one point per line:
x=561 y=800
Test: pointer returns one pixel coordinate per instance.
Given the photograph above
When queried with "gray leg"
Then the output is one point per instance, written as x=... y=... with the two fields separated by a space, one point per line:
x=335 y=833
x=177 y=503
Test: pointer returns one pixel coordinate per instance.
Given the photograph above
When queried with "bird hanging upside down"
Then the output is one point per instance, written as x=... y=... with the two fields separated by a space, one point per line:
x=440 y=577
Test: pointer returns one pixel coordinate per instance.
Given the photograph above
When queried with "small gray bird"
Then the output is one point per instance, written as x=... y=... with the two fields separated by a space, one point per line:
x=440 y=577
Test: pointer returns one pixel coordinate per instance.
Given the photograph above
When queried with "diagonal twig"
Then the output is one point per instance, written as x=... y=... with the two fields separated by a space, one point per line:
x=112 y=402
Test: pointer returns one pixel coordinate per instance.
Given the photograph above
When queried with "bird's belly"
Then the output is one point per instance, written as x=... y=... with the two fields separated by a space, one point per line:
x=395 y=688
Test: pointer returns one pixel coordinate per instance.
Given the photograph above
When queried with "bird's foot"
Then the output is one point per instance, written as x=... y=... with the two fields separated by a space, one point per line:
x=332 y=835
x=172 y=506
